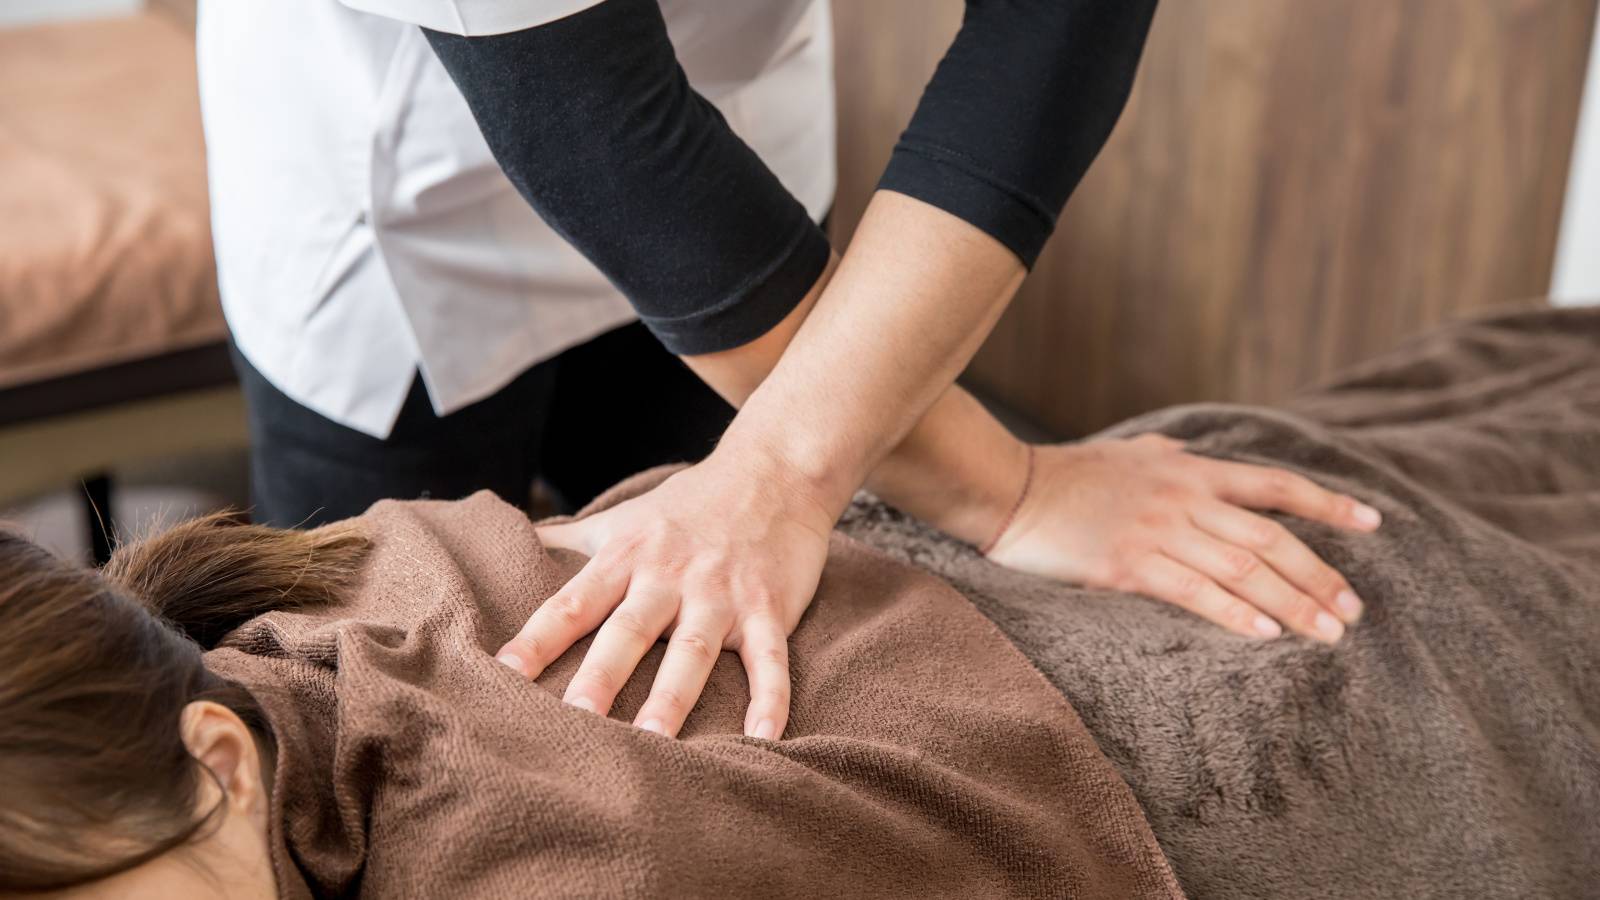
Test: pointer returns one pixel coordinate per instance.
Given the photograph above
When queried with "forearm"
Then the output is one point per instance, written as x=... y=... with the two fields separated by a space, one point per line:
x=958 y=468
x=908 y=306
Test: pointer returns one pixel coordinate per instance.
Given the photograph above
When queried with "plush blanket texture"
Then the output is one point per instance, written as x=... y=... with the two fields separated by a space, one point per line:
x=1450 y=746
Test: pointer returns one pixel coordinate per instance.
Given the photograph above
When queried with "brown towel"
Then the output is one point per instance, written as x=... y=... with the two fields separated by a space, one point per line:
x=925 y=757
x=1450 y=746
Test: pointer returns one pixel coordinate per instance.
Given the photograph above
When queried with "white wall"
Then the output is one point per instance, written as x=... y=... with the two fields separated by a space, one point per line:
x=1577 y=274
x=17 y=12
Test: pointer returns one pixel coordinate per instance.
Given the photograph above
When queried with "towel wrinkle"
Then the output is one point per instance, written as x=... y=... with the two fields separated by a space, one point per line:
x=925 y=756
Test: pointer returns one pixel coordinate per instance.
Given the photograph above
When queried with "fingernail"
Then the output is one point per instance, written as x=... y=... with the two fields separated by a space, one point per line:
x=510 y=661
x=583 y=703
x=765 y=730
x=1267 y=627
x=1367 y=517
x=1349 y=605
x=1327 y=627
x=656 y=726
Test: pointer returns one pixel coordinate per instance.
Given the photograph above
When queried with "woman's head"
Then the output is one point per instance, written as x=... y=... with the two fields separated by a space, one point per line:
x=117 y=745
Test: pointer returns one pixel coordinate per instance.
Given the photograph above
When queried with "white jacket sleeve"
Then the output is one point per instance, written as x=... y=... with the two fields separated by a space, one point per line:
x=473 y=18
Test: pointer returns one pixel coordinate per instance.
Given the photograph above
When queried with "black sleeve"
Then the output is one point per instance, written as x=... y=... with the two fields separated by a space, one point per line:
x=593 y=120
x=1018 y=108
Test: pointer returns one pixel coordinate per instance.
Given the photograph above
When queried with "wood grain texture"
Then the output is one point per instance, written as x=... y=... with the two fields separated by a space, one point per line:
x=1294 y=186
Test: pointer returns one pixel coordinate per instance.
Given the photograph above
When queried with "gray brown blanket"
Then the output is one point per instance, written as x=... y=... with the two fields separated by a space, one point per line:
x=1450 y=746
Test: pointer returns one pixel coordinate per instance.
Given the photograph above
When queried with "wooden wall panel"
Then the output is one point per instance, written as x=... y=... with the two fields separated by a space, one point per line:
x=1294 y=186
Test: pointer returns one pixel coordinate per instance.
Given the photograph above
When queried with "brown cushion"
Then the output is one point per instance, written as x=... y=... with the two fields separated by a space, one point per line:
x=103 y=214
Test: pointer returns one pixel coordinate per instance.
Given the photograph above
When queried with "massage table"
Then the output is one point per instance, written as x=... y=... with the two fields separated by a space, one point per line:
x=113 y=348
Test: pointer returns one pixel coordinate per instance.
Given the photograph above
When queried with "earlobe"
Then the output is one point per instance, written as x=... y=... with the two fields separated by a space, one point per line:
x=219 y=740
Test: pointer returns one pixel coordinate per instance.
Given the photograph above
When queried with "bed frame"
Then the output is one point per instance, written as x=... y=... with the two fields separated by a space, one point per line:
x=77 y=429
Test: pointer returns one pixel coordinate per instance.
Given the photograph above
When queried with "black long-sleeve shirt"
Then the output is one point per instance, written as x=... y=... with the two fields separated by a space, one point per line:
x=593 y=120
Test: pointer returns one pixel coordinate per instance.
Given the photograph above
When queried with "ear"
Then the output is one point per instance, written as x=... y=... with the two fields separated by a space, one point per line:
x=220 y=740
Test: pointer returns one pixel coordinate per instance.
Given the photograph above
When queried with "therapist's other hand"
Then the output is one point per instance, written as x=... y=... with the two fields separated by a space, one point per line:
x=1143 y=516
x=720 y=556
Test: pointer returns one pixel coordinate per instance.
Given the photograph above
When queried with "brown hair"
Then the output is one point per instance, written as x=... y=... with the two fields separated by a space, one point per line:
x=97 y=667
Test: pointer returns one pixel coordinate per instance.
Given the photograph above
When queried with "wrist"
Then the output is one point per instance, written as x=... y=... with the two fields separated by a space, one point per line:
x=998 y=531
x=981 y=510
x=959 y=470
x=815 y=492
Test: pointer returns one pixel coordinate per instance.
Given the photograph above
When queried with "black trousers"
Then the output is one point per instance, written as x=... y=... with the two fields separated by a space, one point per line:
x=580 y=421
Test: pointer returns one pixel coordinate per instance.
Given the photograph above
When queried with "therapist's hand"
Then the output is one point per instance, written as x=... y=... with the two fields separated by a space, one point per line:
x=1143 y=516
x=721 y=555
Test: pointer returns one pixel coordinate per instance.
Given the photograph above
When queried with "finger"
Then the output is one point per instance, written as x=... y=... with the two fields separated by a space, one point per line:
x=570 y=613
x=1261 y=487
x=628 y=633
x=1284 y=552
x=764 y=649
x=1169 y=580
x=573 y=535
x=691 y=653
x=1250 y=578
x=1156 y=439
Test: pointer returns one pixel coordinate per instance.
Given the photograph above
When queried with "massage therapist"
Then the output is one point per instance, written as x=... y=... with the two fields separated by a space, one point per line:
x=434 y=242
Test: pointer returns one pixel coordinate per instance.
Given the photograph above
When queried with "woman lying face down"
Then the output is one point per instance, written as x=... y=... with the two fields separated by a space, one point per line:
x=130 y=770
x=375 y=747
